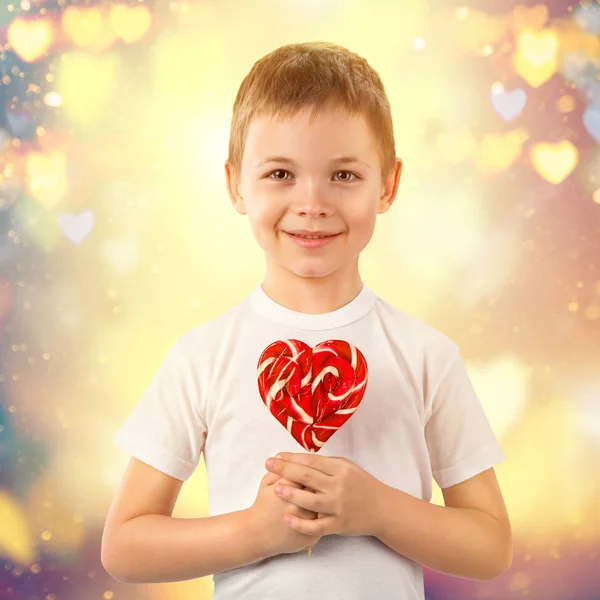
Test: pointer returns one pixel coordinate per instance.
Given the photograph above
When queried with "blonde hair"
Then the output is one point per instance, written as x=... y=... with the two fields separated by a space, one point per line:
x=317 y=75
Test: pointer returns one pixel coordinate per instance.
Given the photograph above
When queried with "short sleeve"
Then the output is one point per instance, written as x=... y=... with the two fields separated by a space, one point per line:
x=165 y=429
x=460 y=439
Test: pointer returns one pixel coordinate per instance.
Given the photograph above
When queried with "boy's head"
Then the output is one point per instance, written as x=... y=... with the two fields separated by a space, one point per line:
x=312 y=103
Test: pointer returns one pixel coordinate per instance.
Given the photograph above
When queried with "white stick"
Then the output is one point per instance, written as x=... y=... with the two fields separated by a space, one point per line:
x=309 y=550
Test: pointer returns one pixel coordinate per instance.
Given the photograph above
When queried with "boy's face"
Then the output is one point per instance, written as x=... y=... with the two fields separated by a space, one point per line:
x=314 y=193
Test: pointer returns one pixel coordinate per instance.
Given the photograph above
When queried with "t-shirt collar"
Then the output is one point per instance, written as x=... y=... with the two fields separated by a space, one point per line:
x=358 y=307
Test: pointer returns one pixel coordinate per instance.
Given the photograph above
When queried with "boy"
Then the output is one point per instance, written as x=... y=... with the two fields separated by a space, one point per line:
x=362 y=502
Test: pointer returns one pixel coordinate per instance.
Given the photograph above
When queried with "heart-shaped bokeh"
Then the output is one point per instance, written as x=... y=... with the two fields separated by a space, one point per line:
x=77 y=227
x=30 y=39
x=536 y=59
x=130 y=23
x=509 y=104
x=312 y=392
x=87 y=27
x=554 y=162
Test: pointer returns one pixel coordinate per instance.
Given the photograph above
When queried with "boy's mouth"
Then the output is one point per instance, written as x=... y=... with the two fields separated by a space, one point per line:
x=312 y=241
x=312 y=235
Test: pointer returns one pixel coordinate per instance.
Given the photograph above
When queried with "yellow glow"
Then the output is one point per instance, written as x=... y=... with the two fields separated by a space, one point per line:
x=456 y=146
x=30 y=39
x=503 y=388
x=536 y=58
x=47 y=177
x=16 y=543
x=554 y=162
x=85 y=84
x=498 y=151
x=87 y=27
x=130 y=23
x=53 y=99
x=477 y=29
x=419 y=43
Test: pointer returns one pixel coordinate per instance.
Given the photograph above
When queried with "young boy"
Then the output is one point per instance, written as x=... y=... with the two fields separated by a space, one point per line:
x=311 y=154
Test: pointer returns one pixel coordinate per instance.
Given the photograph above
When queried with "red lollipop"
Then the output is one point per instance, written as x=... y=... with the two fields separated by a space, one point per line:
x=312 y=392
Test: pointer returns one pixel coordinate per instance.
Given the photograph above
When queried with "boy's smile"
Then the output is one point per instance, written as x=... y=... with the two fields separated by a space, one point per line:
x=312 y=178
x=317 y=239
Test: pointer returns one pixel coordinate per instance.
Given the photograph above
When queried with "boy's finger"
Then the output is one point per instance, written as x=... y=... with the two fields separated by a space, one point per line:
x=302 y=512
x=269 y=479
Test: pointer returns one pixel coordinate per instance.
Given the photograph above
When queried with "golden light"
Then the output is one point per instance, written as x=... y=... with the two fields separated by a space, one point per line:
x=16 y=539
x=498 y=151
x=462 y=13
x=53 y=99
x=121 y=254
x=503 y=388
x=561 y=466
x=452 y=235
x=497 y=88
x=476 y=30
x=88 y=28
x=47 y=177
x=536 y=58
x=554 y=162
x=456 y=146
x=130 y=23
x=30 y=39
x=592 y=312
x=85 y=83
x=566 y=104
x=419 y=43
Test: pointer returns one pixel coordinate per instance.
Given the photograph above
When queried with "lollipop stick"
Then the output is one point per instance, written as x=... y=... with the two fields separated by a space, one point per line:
x=309 y=550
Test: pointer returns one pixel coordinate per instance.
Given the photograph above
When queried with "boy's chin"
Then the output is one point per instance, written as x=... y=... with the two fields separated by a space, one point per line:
x=313 y=271
x=307 y=268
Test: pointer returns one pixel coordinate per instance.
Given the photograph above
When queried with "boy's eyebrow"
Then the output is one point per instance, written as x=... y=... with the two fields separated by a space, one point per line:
x=340 y=159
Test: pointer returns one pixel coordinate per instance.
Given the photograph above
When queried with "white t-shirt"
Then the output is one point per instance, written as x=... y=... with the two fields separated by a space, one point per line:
x=419 y=419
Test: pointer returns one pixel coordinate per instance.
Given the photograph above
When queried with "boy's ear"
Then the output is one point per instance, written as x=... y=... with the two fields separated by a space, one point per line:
x=390 y=188
x=233 y=184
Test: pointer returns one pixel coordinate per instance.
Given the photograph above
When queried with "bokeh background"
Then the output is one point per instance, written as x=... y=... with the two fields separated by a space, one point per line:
x=117 y=235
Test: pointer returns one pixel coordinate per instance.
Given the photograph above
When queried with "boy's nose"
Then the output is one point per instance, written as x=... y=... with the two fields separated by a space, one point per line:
x=313 y=208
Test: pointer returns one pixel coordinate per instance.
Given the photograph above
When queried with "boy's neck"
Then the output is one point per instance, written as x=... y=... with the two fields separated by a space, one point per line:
x=312 y=295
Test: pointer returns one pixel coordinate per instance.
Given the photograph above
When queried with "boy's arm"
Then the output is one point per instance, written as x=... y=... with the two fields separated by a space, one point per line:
x=460 y=540
x=156 y=548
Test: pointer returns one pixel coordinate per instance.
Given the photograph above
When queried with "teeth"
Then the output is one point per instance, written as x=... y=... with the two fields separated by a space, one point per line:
x=310 y=237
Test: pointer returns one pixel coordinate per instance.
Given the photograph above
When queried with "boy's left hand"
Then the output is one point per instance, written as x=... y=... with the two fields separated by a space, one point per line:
x=344 y=495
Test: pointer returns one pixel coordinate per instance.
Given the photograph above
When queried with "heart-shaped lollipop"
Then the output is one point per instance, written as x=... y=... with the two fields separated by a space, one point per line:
x=312 y=392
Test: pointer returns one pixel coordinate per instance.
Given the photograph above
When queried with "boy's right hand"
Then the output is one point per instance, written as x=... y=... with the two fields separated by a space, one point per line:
x=267 y=514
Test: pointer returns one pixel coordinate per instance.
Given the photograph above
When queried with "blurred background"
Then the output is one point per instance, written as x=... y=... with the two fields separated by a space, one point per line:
x=117 y=235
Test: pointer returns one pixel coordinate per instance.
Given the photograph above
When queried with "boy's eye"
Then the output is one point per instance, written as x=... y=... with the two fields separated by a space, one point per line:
x=270 y=176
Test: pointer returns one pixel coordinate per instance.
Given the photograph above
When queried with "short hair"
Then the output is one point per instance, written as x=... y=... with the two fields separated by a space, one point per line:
x=316 y=75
